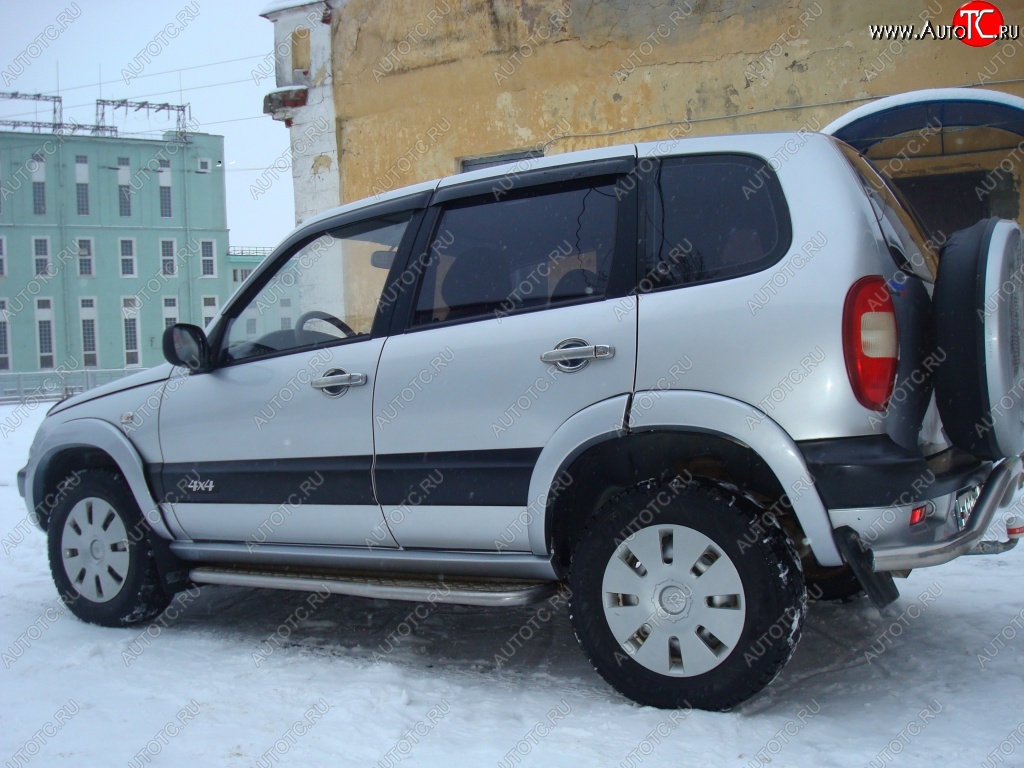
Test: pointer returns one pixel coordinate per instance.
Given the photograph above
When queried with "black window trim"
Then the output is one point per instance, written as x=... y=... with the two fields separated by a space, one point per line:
x=623 y=268
x=650 y=204
x=414 y=204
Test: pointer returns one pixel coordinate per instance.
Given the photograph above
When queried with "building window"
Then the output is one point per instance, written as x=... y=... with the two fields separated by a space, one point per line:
x=127 y=258
x=81 y=159
x=82 y=197
x=168 y=266
x=209 y=309
x=286 y=323
x=41 y=251
x=209 y=263
x=250 y=328
x=165 y=163
x=85 y=258
x=3 y=258
x=130 y=309
x=204 y=165
x=170 y=311
x=239 y=275
x=44 y=332
x=39 y=198
x=165 y=202
x=124 y=200
x=5 y=342
x=123 y=162
x=87 y=314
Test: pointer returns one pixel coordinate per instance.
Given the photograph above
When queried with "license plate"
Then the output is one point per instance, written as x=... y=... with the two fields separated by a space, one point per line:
x=965 y=501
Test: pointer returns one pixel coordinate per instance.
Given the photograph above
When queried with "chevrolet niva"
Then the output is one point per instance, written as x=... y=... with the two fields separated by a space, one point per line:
x=687 y=382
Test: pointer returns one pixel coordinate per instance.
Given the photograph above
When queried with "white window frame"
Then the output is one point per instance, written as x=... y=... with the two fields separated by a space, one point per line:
x=135 y=258
x=45 y=314
x=214 y=308
x=92 y=256
x=169 y=313
x=89 y=313
x=5 y=334
x=131 y=309
x=174 y=256
x=35 y=272
x=199 y=165
x=213 y=259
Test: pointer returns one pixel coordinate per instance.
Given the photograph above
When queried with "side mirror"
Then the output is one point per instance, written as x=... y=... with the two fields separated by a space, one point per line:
x=186 y=345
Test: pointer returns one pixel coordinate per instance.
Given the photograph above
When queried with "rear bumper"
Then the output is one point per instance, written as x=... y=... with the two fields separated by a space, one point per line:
x=875 y=472
x=996 y=493
x=872 y=486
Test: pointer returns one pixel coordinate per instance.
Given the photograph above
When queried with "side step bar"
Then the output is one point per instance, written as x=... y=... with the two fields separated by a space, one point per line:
x=419 y=590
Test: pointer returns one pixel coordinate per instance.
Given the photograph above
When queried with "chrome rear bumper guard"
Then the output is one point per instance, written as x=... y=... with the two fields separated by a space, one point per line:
x=997 y=492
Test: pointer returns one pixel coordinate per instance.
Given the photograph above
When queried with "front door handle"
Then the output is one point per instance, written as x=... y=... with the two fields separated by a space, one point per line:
x=589 y=352
x=573 y=355
x=335 y=383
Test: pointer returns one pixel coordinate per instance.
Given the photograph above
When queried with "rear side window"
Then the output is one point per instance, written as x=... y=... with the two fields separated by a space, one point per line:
x=492 y=258
x=714 y=217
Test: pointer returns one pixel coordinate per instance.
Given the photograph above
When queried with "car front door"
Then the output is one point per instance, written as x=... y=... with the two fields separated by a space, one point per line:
x=474 y=379
x=275 y=444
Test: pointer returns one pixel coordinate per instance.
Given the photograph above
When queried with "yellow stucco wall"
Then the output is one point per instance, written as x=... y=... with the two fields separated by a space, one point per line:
x=419 y=84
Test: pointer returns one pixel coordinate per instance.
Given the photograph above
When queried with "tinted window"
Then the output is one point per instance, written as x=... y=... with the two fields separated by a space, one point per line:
x=715 y=217
x=325 y=292
x=490 y=258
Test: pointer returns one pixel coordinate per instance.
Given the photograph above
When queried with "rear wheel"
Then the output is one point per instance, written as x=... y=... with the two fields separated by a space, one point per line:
x=101 y=557
x=683 y=595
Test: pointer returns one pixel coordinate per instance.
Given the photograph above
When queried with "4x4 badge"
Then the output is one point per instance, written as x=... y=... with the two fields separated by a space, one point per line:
x=200 y=485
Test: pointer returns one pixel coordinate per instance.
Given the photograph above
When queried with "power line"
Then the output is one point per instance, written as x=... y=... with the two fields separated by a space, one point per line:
x=156 y=74
x=148 y=95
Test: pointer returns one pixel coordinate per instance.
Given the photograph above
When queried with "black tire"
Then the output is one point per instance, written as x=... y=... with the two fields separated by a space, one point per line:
x=832 y=583
x=109 y=576
x=979 y=329
x=761 y=575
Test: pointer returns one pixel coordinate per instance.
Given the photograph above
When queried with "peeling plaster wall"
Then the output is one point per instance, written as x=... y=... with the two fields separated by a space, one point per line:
x=419 y=84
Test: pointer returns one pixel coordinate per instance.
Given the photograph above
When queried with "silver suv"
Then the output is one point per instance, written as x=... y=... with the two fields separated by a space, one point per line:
x=689 y=383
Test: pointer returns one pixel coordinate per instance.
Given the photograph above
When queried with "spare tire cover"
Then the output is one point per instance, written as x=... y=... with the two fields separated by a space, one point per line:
x=979 y=322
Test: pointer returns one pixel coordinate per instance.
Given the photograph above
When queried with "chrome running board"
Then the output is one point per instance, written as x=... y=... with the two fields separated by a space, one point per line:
x=413 y=589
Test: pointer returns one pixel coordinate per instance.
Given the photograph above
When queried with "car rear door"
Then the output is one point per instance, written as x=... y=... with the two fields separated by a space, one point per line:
x=509 y=272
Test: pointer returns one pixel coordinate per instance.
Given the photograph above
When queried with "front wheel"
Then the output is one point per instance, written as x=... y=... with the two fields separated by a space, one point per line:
x=683 y=595
x=101 y=557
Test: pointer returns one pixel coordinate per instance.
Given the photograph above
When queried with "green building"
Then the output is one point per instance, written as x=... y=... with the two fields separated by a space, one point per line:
x=104 y=242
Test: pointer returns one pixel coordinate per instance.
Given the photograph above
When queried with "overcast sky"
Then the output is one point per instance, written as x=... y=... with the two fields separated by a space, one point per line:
x=209 y=65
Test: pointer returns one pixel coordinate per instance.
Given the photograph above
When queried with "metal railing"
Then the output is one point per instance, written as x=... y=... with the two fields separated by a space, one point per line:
x=51 y=385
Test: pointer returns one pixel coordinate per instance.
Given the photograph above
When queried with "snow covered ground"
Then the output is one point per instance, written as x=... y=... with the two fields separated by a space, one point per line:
x=239 y=677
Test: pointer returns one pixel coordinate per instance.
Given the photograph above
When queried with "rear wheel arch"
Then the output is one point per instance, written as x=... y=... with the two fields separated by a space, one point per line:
x=588 y=480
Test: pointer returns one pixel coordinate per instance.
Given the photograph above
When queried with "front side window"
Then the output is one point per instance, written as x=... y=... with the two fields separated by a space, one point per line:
x=491 y=258
x=331 y=287
x=714 y=217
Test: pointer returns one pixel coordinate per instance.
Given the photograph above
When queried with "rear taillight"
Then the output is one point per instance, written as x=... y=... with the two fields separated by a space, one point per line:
x=870 y=341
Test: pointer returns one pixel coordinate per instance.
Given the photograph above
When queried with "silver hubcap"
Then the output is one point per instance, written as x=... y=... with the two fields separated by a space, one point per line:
x=94 y=550
x=673 y=600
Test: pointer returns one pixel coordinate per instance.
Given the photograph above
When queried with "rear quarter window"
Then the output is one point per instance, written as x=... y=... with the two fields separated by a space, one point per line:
x=714 y=217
